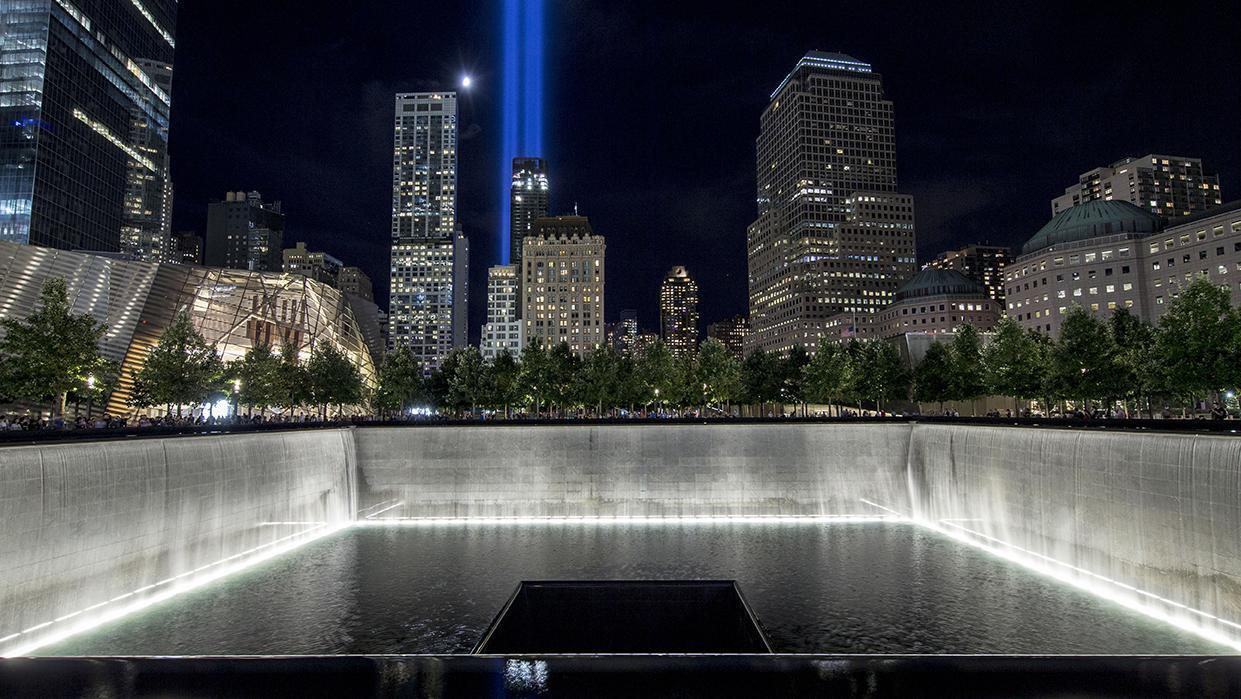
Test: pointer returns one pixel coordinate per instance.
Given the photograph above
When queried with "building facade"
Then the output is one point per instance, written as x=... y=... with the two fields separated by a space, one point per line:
x=937 y=301
x=189 y=248
x=622 y=335
x=352 y=280
x=678 y=312
x=319 y=266
x=430 y=254
x=733 y=332
x=1169 y=186
x=245 y=232
x=504 y=330
x=562 y=284
x=833 y=238
x=982 y=263
x=528 y=199
x=233 y=309
x=1104 y=255
x=85 y=97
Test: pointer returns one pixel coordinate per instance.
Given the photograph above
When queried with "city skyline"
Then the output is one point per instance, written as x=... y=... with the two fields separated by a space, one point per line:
x=960 y=191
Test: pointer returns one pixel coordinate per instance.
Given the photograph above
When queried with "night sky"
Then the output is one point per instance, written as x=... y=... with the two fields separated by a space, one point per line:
x=653 y=108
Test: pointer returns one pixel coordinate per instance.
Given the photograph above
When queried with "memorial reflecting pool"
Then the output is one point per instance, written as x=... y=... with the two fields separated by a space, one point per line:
x=816 y=587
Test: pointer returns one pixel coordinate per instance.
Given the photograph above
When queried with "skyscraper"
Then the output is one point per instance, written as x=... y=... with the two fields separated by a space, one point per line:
x=562 y=284
x=1170 y=186
x=833 y=239
x=352 y=280
x=678 y=312
x=84 y=105
x=503 y=330
x=318 y=265
x=982 y=263
x=732 y=332
x=430 y=253
x=245 y=232
x=527 y=201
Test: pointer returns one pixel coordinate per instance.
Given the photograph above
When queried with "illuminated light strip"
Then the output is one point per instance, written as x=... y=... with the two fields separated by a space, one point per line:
x=282 y=524
x=103 y=131
x=885 y=509
x=1006 y=551
x=379 y=504
x=655 y=521
x=151 y=18
x=390 y=507
x=269 y=550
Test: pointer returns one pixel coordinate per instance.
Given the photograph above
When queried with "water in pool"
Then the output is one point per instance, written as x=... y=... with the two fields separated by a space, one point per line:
x=827 y=588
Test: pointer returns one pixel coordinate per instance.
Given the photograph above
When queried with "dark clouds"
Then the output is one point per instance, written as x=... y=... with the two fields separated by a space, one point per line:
x=653 y=109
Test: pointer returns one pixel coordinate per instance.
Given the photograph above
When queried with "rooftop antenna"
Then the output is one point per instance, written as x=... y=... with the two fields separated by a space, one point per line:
x=575 y=208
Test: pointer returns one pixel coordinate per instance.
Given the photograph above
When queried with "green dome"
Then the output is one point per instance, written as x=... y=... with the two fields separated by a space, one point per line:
x=1094 y=219
x=939 y=282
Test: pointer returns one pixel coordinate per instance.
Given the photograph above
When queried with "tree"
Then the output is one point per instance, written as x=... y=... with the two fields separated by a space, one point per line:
x=182 y=369
x=50 y=352
x=470 y=382
x=292 y=388
x=968 y=381
x=562 y=370
x=658 y=370
x=1081 y=358
x=506 y=376
x=257 y=375
x=1198 y=343
x=599 y=379
x=1009 y=363
x=761 y=378
x=883 y=376
x=400 y=381
x=793 y=376
x=332 y=378
x=933 y=376
x=718 y=373
x=534 y=378
x=1136 y=372
x=827 y=374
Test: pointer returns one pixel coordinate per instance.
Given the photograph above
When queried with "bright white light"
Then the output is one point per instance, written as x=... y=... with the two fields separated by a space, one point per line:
x=624 y=521
x=201 y=576
x=466 y=81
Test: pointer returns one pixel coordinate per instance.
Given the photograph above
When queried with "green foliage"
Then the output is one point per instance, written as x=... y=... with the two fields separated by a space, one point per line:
x=882 y=375
x=762 y=379
x=828 y=374
x=792 y=375
x=258 y=376
x=292 y=385
x=1199 y=341
x=563 y=367
x=400 y=382
x=967 y=380
x=658 y=371
x=182 y=369
x=534 y=377
x=1136 y=371
x=599 y=380
x=1081 y=359
x=332 y=378
x=1010 y=363
x=718 y=373
x=51 y=352
x=471 y=380
x=932 y=380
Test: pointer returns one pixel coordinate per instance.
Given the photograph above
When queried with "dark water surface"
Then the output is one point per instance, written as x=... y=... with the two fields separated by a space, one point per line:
x=830 y=588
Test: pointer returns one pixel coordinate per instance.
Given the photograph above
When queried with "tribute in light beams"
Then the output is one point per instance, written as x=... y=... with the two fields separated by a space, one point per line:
x=522 y=97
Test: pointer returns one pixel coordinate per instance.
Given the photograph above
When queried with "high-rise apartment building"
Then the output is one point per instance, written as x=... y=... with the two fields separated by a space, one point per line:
x=319 y=266
x=732 y=332
x=832 y=239
x=678 y=312
x=245 y=232
x=982 y=263
x=352 y=280
x=430 y=254
x=1169 y=186
x=562 y=284
x=622 y=335
x=503 y=330
x=85 y=91
x=528 y=201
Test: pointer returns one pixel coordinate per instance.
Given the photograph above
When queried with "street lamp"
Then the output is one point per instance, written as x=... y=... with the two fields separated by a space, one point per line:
x=236 y=396
x=90 y=395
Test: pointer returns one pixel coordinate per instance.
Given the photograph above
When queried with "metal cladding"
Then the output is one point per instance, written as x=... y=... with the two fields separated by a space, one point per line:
x=138 y=300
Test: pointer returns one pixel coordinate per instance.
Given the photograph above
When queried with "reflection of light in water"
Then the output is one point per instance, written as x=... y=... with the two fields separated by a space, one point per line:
x=525 y=675
x=185 y=582
x=1098 y=585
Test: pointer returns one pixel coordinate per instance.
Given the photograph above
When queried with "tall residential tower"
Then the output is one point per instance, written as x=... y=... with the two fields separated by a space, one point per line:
x=678 y=312
x=430 y=253
x=562 y=284
x=84 y=105
x=1170 y=186
x=833 y=239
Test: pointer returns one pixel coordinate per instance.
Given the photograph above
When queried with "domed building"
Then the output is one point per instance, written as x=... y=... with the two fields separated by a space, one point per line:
x=938 y=301
x=1104 y=255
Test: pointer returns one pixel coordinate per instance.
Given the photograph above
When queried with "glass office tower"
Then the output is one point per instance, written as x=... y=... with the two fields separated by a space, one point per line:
x=84 y=106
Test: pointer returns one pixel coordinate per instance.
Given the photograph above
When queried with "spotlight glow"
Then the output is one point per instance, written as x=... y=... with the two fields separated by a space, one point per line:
x=190 y=580
x=521 y=97
x=466 y=81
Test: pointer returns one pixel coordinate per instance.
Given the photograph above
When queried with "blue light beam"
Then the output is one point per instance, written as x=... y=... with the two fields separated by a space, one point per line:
x=522 y=98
